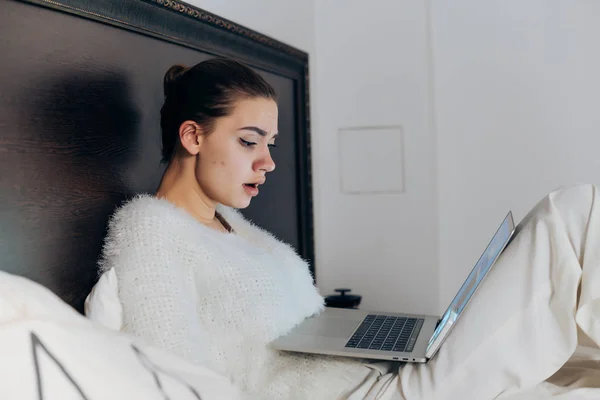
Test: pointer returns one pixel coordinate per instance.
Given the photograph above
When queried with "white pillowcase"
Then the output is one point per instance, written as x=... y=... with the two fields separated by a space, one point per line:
x=49 y=351
x=102 y=305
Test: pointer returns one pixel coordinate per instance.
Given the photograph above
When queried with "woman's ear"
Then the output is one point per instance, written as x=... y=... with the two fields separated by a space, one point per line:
x=190 y=136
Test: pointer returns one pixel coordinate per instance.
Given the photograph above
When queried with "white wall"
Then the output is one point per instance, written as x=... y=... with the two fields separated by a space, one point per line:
x=517 y=94
x=513 y=92
x=373 y=69
x=370 y=66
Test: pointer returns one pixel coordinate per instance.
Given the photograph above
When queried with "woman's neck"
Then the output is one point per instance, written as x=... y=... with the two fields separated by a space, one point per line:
x=179 y=186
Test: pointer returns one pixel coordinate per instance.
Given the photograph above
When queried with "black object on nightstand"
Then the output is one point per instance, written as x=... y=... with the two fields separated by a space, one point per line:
x=343 y=300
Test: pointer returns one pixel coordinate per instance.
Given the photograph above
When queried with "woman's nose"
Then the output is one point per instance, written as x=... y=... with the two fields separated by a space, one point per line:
x=266 y=163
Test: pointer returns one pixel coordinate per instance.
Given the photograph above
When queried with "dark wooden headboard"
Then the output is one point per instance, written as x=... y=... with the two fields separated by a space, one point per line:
x=80 y=94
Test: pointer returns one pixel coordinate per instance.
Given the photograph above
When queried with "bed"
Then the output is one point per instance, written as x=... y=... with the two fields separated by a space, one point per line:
x=81 y=89
x=79 y=126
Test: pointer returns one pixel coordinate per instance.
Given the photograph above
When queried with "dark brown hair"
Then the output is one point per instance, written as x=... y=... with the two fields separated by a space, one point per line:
x=204 y=93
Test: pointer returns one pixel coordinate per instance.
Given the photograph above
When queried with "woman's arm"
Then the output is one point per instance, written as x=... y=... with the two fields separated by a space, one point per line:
x=157 y=295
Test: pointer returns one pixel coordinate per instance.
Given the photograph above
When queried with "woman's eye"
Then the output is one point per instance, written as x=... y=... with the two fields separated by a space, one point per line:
x=247 y=143
x=272 y=145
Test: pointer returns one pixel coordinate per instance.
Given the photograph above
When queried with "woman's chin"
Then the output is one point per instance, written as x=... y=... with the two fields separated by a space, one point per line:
x=238 y=203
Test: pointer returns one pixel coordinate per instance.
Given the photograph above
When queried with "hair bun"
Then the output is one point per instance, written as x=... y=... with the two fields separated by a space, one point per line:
x=172 y=75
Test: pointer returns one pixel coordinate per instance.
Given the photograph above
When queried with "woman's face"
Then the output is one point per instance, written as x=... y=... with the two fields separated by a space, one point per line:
x=235 y=157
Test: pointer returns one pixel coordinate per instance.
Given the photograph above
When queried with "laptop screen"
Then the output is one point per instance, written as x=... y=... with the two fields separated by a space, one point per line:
x=485 y=262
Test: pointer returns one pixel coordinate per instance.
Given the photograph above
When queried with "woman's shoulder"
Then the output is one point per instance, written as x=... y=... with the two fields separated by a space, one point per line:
x=143 y=208
x=257 y=235
x=148 y=215
x=246 y=228
x=144 y=224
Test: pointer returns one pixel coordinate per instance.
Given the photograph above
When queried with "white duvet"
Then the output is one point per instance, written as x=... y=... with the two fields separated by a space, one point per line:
x=527 y=333
x=48 y=351
x=579 y=379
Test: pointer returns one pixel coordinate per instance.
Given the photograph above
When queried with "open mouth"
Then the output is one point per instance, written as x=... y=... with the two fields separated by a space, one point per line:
x=252 y=185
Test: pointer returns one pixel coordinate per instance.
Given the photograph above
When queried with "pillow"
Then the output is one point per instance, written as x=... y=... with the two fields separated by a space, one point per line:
x=49 y=351
x=102 y=304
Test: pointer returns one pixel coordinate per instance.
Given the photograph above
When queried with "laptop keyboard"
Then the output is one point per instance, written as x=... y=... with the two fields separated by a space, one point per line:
x=381 y=332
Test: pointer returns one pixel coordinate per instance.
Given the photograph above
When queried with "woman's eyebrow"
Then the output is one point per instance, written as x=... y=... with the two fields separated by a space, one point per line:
x=256 y=129
x=261 y=132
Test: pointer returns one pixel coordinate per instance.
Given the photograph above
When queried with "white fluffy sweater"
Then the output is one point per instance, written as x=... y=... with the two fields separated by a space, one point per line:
x=218 y=299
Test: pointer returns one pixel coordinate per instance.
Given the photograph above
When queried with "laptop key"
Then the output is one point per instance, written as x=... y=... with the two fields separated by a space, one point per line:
x=379 y=332
x=415 y=335
x=400 y=345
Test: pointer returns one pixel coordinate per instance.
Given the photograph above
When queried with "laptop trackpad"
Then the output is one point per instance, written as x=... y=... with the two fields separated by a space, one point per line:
x=328 y=327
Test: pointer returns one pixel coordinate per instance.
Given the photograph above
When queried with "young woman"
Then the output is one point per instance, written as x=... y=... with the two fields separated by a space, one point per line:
x=195 y=278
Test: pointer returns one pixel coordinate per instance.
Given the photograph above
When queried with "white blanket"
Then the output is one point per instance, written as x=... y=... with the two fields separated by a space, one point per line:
x=48 y=351
x=529 y=315
x=579 y=379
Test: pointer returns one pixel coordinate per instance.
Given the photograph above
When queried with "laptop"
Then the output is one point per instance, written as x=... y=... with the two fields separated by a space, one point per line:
x=391 y=336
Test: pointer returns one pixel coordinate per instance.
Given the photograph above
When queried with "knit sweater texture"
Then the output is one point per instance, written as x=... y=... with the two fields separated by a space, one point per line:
x=218 y=299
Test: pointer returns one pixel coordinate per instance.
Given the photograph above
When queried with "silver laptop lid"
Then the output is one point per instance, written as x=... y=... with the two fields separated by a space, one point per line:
x=484 y=264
